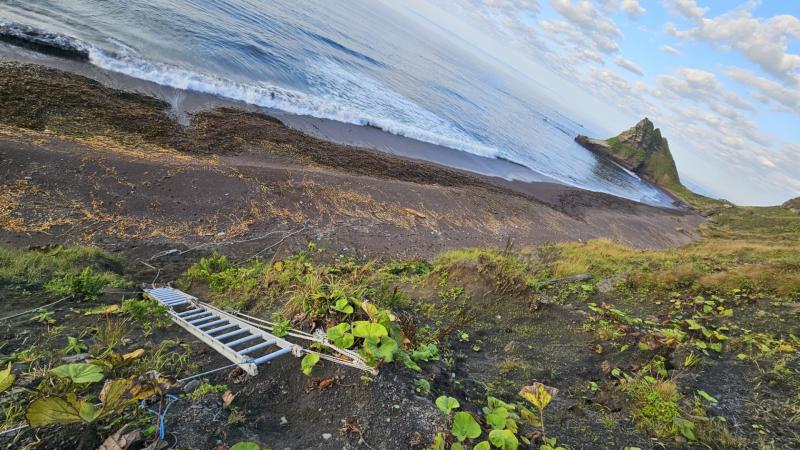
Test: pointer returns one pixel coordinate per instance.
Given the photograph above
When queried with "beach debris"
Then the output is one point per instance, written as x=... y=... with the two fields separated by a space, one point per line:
x=122 y=439
x=414 y=213
x=227 y=398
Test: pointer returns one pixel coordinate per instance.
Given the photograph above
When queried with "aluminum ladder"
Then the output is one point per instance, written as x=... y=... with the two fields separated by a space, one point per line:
x=243 y=344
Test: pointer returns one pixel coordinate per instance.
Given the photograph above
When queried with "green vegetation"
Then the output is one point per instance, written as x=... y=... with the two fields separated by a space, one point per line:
x=86 y=284
x=63 y=270
x=637 y=339
x=207 y=389
x=149 y=313
x=506 y=424
x=354 y=299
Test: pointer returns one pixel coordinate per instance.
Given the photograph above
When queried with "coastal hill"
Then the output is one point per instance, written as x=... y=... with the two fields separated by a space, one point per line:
x=640 y=149
x=792 y=204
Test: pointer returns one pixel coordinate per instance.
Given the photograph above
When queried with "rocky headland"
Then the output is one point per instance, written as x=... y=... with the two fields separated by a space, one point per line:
x=640 y=149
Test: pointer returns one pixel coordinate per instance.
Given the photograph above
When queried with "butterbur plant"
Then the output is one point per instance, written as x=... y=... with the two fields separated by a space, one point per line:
x=308 y=362
x=340 y=335
x=6 y=378
x=74 y=345
x=539 y=396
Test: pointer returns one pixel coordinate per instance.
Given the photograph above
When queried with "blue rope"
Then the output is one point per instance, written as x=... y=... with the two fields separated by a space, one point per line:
x=163 y=416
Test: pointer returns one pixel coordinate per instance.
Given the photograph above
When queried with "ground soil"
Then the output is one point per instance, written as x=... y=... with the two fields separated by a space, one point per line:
x=84 y=164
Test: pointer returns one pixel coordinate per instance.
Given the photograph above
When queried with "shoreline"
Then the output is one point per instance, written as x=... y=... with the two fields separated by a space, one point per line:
x=184 y=103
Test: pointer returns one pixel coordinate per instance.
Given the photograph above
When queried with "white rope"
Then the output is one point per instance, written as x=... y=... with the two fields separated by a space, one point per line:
x=182 y=380
x=37 y=308
x=3 y=433
x=356 y=362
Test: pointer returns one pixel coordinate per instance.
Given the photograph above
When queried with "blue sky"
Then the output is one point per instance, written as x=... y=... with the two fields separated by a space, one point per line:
x=720 y=78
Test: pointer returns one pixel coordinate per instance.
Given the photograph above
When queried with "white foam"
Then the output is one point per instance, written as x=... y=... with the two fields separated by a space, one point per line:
x=323 y=105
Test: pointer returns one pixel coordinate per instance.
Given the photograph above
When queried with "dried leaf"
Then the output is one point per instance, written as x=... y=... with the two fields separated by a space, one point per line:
x=133 y=355
x=325 y=382
x=103 y=310
x=49 y=410
x=227 y=398
x=538 y=394
x=6 y=378
x=121 y=440
x=113 y=392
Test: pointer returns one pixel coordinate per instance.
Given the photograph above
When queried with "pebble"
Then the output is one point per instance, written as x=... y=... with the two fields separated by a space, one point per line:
x=284 y=421
x=326 y=436
x=191 y=386
x=76 y=358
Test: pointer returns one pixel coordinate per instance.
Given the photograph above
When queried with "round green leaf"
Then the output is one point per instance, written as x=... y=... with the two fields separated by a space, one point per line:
x=343 y=306
x=446 y=404
x=504 y=439
x=465 y=426
x=6 y=378
x=49 y=410
x=308 y=363
x=340 y=335
x=246 y=446
x=369 y=330
x=79 y=372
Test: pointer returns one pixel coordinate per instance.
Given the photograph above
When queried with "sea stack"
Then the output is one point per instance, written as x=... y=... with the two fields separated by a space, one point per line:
x=640 y=149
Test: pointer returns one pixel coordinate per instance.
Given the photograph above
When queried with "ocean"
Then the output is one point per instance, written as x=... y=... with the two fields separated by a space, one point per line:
x=358 y=62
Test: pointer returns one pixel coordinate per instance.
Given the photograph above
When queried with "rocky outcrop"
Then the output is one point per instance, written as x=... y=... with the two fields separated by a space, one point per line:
x=640 y=149
x=793 y=204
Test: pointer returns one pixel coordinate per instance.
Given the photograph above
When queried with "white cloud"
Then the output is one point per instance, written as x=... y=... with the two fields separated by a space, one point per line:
x=600 y=30
x=687 y=9
x=670 y=50
x=768 y=91
x=762 y=41
x=632 y=8
x=701 y=86
x=628 y=65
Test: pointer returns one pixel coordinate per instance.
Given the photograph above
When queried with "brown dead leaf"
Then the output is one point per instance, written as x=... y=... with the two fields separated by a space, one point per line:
x=133 y=355
x=227 y=398
x=414 y=213
x=605 y=366
x=351 y=426
x=325 y=382
x=121 y=440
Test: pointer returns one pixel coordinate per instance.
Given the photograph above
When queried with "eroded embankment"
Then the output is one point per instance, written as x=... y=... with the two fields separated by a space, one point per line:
x=81 y=162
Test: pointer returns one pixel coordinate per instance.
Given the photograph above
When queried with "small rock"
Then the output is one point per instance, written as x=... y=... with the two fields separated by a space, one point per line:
x=76 y=358
x=284 y=422
x=191 y=386
x=326 y=436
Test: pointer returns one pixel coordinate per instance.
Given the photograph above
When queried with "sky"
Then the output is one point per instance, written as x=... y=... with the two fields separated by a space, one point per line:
x=720 y=78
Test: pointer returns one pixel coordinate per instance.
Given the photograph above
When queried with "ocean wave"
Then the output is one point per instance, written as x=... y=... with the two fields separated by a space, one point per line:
x=270 y=96
x=43 y=41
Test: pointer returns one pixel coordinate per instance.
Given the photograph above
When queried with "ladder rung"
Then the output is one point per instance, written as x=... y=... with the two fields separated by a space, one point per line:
x=178 y=303
x=174 y=300
x=232 y=333
x=218 y=329
x=211 y=324
x=242 y=340
x=191 y=311
x=195 y=315
x=202 y=319
x=271 y=356
x=257 y=347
